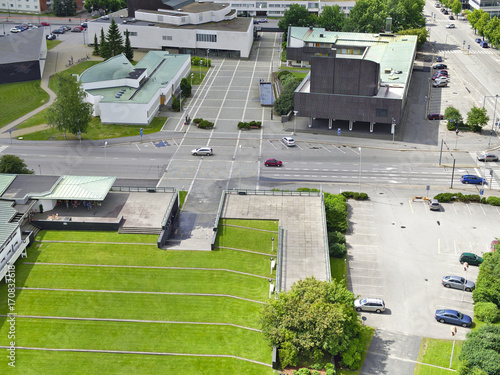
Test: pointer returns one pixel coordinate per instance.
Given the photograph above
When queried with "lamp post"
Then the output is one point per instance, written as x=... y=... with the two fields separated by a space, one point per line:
x=180 y=103
x=192 y=74
x=493 y=119
x=40 y=167
x=106 y=156
x=359 y=190
x=200 y=70
x=272 y=244
x=393 y=128
x=294 y=121
x=208 y=51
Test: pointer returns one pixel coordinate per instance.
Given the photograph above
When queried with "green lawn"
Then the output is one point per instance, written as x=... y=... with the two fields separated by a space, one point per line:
x=52 y=43
x=30 y=362
x=257 y=224
x=438 y=353
x=96 y=237
x=131 y=336
x=20 y=98
x=247 y=239
x=338 y=269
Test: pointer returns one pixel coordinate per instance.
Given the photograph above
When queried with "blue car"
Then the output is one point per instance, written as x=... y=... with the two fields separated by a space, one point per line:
x=453 y=317
x=472 y=179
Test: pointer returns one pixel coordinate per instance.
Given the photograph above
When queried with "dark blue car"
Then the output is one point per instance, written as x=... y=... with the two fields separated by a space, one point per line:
x=472 y=179
x=453 y=317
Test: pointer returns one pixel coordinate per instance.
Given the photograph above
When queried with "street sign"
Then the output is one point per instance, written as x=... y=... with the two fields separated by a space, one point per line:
x=428 y=187
x=481 y=192
x=468 y=47
x=140 y=132
x=491 y=172
x=338 y=131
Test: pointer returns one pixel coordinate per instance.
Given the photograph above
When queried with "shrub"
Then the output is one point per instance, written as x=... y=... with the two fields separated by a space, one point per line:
x=176 y=104
x=205 y=124
x=197 y=120
x=243 y=125
x=445 y=197
x=283 y=73
x=316 y=366
x=487 y=312
x=40 y=208
x=473 y=197
x=330 y=371
x=336 y=237
x=355 y=196
x=336 y=213
x=484 y=200
x=315 y=372
x=304 y=371
x=494 y=201
x=337 y=250
x=185 y=87
x=476 y=128
x=307 y=189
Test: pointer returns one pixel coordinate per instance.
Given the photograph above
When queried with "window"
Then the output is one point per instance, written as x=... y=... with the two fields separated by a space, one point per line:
x=131 y=33
x=206 y=38
x=167 y=37
x=381 y=112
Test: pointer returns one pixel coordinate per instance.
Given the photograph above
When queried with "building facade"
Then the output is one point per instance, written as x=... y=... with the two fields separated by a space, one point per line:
x=31 y=6
x=489 y=6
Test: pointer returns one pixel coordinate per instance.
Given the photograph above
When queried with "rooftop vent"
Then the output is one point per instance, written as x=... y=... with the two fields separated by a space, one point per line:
x=310 y=27
x=321 y=35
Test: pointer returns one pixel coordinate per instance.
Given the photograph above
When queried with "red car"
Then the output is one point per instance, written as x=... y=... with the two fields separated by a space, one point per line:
x=435 y=116
x=44 y=23
x=273 y=163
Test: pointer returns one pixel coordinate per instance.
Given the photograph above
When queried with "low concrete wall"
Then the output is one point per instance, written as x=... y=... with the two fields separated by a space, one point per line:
x=78 y=225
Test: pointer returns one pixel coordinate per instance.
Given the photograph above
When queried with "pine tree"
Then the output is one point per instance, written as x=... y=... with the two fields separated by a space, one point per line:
x=114 y=41
x=129 y=52
x=96 y=46
x=104 y=47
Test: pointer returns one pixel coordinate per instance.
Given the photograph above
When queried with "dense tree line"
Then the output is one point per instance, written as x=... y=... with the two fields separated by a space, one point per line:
x=112 y=43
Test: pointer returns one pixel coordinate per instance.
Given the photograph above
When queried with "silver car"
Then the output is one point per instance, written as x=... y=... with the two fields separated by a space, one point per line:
x=458 y=282
x=487 y=157
x=370 y=304
x=202 y=151
x=289 y=141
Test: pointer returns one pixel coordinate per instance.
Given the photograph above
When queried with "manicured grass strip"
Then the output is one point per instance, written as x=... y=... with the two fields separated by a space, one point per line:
x=145 y=256
x=338 y=269
x=52 y=43
x=257 y=224
x=438 y=352
x=246 y=239
x=136 y=306
x=35 y=362
x=147 y=280
x=53 y=235
x=20 y=98
x=151 y=337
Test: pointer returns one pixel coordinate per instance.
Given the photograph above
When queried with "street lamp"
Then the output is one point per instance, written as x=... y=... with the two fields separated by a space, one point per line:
x=493 y=119
x=192 y=74
x=106 y=156
x=200 y=69
x=180 y=104
x=359 y=190
x=393 y=128
x=294 y=121
x=208 y=51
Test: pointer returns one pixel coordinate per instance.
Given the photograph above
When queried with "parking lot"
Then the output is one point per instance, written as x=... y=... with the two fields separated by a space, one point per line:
x=399 y=250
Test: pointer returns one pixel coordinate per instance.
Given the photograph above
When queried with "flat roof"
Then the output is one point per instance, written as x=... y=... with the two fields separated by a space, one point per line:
x=26 y=185
x=7 y=212
x=5 y=181
x=93 y=188
x=23 y=46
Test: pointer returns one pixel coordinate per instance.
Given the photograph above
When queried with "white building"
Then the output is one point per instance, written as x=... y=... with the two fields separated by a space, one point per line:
x=122 y=93
x=196 y=28
x=489 y=6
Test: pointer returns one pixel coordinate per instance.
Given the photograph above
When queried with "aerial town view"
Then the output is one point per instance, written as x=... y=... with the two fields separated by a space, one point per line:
x=249 y=187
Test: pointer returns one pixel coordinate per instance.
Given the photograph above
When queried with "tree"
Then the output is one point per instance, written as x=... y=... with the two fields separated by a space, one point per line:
x=64 y=8
x=296 y=15
x=481 y=24
x=114 y=41
x=488 y=281
x=453 y=116
x=129 y=52
x=331 y=18
x=104 y=50
x=477 y=118
x=70 y=112
x=14 y=165
x=367 y=16
x=406 y=14
x=456 y=7
x=492 y=31
x=110 y=5
x=474 y=17
x=185 y=87
x=96 y=52
x=481 y=351
x=422 y=35
x=312 y=319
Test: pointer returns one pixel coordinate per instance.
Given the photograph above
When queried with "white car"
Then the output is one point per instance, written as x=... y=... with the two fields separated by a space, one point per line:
x=202 y=151
x=15 y=30
x=450 y=26
x=289 y=141
x=440 y=80
x=484 y=156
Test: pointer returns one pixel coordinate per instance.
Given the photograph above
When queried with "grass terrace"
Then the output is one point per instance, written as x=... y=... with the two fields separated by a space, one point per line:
x=103 y=291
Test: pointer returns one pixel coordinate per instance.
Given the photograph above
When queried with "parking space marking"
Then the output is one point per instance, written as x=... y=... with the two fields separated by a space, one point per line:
x=300 y=148
x=272 y=144
x=443 y=307
x=338 y=149
x=439 y=246
x=323 y=147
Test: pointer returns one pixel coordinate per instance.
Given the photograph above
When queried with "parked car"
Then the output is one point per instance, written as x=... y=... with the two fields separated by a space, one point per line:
x=440 y=77
x=478 y=40
x=105 y=17
x=452 y=18
x=445 y=12
x=471 y=258
x=273 y=163
x=434 y=205
x=484 y=44
x=458 y=282
x=58 y=31
x=289 y=141
x=76 y=30
x=202 y=151
x=15 y=30
x=50 y=36
x=263 y=20
x=453 y=317
x=66 y=28
x=487 y=157
x=370 y=304
x=84 y=25
x=450 y=26
x=435 y=116
x=440 y=66
x=472 y=179
x=439 y=59
x=439 y=84
x=44 y=23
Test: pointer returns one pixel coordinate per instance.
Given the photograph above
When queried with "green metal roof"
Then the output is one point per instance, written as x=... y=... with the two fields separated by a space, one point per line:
x=6 y=214
x=93 y=188
x=161 y=68
x=5 y=181
x=117 y=67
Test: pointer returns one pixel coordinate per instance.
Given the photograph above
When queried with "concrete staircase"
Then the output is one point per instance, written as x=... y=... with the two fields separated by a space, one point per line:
x=139 y=230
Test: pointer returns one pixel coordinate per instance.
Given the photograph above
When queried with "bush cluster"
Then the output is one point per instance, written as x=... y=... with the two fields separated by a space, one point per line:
x=486 y=312
x=195 y=60
x=248 y=125
x=284 y=103
x=486 y=296
x=355 y=196
x=449 y=197
x=203 y=124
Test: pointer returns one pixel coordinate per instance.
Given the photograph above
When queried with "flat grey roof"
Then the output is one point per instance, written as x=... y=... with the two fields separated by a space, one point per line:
x=24 y=46
x=29 y=184
x=7 y=212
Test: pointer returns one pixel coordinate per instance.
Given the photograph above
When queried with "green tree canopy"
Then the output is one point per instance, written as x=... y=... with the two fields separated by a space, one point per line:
x=492 y=31
x=64 y=8
x=456 y=7
x=109 y=5
x=103 y=46
x=474 y=17
x=481 y=351
x=477 y=118
x=367 y=16
x=422 y=35
x=127 y=50
x=70 y=112
x=185 y=87
x=453 y=115
x=14 y=165
x=312 y=319
x=114 y=41
x=331 y=18
x=488 y=280
x=406 y=14
x=296 y=15
x=482 y=22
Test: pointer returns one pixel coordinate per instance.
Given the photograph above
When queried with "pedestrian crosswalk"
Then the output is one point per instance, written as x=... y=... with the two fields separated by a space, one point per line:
x=468 y=52
x=489 y=171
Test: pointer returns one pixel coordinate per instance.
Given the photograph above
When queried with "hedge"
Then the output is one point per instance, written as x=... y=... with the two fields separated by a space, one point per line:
x=486 y=312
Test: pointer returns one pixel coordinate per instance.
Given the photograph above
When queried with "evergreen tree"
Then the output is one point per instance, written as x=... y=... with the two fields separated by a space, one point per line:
x=114 y=41
x=104 y=46
x=96 y=46
x=129 y=52
x=185 y=87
